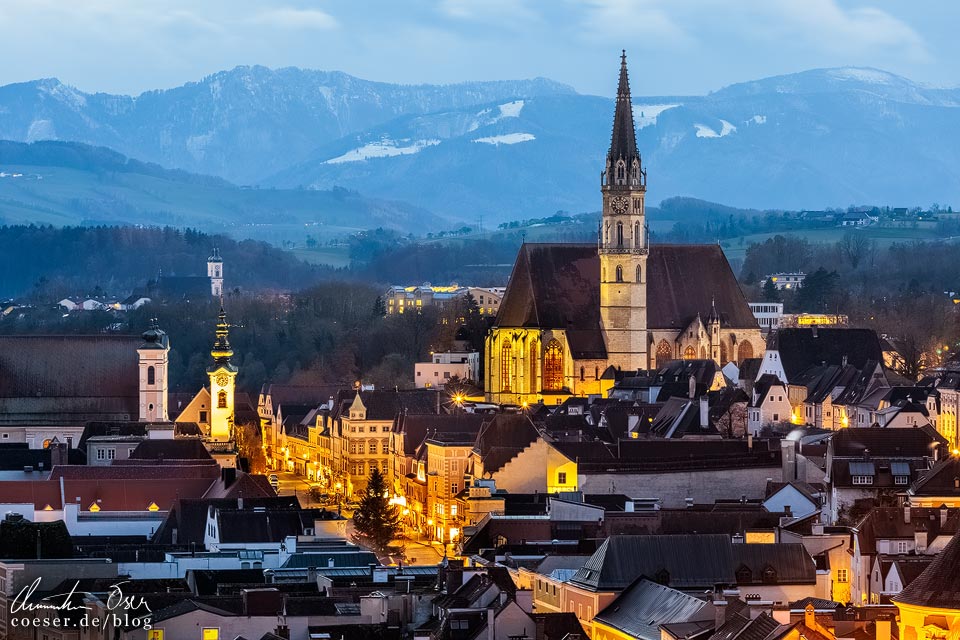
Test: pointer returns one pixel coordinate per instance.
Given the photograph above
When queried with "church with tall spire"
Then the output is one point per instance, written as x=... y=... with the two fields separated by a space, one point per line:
x=575 y=316
x=223 y=375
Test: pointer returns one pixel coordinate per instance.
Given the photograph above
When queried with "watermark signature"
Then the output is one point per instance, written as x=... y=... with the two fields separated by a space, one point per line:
x=67 y=610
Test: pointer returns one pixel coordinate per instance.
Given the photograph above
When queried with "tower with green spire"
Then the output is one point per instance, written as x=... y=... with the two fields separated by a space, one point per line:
x=223 y=374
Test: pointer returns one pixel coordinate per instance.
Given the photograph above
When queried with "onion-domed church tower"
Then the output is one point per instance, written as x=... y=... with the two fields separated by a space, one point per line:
x=223 y=374
x=623 y=240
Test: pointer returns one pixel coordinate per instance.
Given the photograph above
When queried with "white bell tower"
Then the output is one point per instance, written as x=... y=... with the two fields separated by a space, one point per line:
x=215 y=273
x=153 y=354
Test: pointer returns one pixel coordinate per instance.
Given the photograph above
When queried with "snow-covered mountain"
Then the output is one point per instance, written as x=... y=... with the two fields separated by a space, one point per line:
x=820 y=138
x=242 y=124
x=508 y=150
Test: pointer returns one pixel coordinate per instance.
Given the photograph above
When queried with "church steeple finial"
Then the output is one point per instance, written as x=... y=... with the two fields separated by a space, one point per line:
x=221 y=351
x=623 y=141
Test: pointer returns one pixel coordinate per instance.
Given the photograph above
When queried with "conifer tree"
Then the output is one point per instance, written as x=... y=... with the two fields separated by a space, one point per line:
x=376 y=521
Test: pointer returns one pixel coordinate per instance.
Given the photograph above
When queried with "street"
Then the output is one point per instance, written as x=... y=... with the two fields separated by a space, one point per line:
x=415 y=551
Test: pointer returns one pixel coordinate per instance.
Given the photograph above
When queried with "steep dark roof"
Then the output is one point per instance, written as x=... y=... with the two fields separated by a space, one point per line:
x=176 y=449
x=502 y=438
x=939 y=585
x=558 y=286
x=387 y=405
x=252 y=526
x=789 y=563
x=643 y=606
x=188 y=517
x=133 y=429
x=415 y=428
x=14 y=456
x=68 y=379
x=686 y=561
x=801 y=349
x=623 y=141
x=942 y=480
x=904 y=443
x=749 y=368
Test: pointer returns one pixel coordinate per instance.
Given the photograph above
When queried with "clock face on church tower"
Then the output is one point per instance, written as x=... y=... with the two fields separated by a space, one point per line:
x=222 y=379
x=619 y=204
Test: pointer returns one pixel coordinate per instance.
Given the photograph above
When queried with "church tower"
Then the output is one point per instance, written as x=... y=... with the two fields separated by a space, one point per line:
x=223 y=376
x=623 y=240
x=215 y=273
x=153 y=356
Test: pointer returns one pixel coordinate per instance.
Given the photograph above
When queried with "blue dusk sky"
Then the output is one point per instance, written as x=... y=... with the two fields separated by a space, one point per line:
x=675 y=46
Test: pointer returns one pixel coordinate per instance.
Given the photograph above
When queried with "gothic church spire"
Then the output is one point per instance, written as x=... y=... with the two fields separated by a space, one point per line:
x=623 y=141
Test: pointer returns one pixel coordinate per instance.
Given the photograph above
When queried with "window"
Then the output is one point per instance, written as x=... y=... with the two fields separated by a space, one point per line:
x=619 y=234
x=111 y=454
x=902 y=546
x=373 y=446
x=690 y=353
x=901 y=479
x=619 y=273
x=553 y=367
x=562 y=477
x=506 y=366
x=776 y=417
x=210 y=634
x=454 y=488
x=638 y=273
x=221 y=404
x=862 y=480
x=453 y=509
x=151 y=376
x=534 y=357
x=664 y=353
x=101 y=454
x=360 y=446
x=841 y=575
x=636 y=240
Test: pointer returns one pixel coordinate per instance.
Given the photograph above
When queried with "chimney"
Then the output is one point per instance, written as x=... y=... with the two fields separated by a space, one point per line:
x=883 y=624
x=692 y=388
x=920 y=538
x=906 y=513
x=704 y=412
x=749 y=442
x=810 y=617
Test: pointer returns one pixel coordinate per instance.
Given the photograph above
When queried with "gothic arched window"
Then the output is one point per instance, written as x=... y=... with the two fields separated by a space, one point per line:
x=222 y=400
x=506 y=363
x=534 y=357
x=582 y=374
x=664 y=353
x=553 y=367
x=619 y=273
x=703 y=353
x=638 y=273
x=636 y=235
x=619 y=234
x=744 y=351
x=621 y=172
x=690 y=353
x=151 y=375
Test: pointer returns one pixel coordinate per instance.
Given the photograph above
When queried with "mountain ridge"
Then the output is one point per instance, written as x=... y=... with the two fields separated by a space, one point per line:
x=516 y=149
